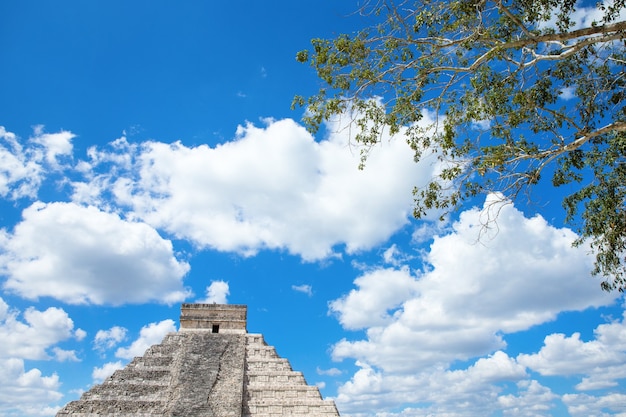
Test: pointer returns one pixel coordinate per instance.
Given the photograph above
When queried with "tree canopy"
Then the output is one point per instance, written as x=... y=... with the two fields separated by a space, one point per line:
x=521 y=90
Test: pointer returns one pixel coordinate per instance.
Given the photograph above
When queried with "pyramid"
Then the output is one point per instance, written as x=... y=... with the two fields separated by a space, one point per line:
x=211 y=367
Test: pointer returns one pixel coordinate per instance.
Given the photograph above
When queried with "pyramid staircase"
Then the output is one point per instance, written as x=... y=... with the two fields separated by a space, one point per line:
x=140 y=388
x=191 y=373
x=272 y=388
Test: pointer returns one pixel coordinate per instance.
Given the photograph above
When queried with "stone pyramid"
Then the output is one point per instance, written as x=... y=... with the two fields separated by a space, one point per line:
x=211 y=367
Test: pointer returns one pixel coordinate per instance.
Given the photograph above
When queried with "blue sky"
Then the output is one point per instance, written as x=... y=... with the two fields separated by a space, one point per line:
x=149 y=156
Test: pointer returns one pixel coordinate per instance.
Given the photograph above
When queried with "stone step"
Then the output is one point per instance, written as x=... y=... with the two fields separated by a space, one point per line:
x=255 y=339
x=151 y=361
x=174 y=337
x=309 y=402
x=141 y=392
x=264 y=376
x=171 y=342
x=160 y=350
x=62 y=413
x=261 y=352
x=274 y=364
x=117 y=408
x=142 y=368
x=162 y=382
x=265 y=391
x=327 y=408
x=140 y=375
x=141 y=365
x=263 y=357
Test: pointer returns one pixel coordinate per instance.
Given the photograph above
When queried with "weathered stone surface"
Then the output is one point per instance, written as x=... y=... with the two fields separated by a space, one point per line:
x=206 y=375
x=272 y=388
x=197 y=372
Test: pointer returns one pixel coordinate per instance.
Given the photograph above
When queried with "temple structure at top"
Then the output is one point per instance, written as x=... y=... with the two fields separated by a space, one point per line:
x=218 y=318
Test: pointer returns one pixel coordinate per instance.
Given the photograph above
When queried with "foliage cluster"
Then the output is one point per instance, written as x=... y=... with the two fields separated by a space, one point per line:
x=520 y=88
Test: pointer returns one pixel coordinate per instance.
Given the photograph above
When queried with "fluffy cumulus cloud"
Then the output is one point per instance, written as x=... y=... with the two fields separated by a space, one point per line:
x=460 y=308
x=271 y=187
x=436 y=391
x=583 y=405
x=23 y=165
x=19 y=175
x=54 y=147
x=31 y=334
x=26 y=392
x=601 y=360
x=80 y=254
x=107 y=339
x=216 y=292
x=377 y=292
x=149 y=335
x=532 y=400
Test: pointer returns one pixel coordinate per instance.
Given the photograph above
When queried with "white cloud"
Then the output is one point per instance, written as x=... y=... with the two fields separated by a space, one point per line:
x=62 y=355
x=390 y=254
x=473 y=292
x=583 y=405
x=461 y=306
x=31 y=336
x=395 y=257
x=20 y=175
x=102 y=373
x=602 y=361
x=107 y=339
x=30 y=339
x=377 y=293
x=433 y=391
x=590 y=15
x=304 y=288
x=568 y=93
x=583 y=16
x=534 y=400
x=216 y=292
x=272 y=187
x=24 y=166
x=55 y=145
x=26 y=393
x=329 y=372
x=149 y=335
x=80 y=334
x=83 y=255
